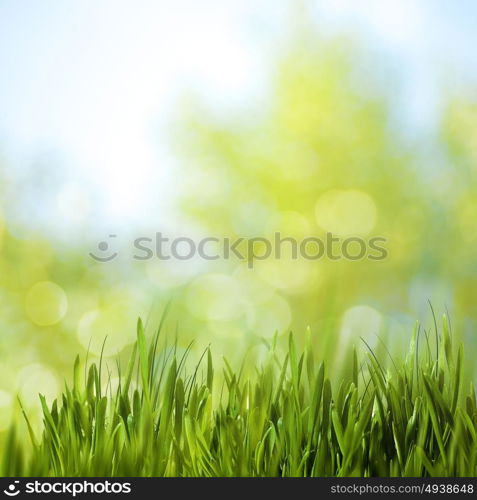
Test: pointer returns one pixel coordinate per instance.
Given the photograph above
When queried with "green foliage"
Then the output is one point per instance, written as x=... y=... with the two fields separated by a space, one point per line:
x=288 y=419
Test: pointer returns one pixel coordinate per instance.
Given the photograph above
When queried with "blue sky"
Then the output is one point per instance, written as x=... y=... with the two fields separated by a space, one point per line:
x=87 y=84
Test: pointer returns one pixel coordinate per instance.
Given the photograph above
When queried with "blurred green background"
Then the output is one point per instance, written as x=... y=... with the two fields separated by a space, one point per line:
x=231 y=119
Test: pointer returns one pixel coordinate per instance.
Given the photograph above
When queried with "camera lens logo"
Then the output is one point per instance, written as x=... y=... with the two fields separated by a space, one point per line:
x=103 y=247
x=12 y=490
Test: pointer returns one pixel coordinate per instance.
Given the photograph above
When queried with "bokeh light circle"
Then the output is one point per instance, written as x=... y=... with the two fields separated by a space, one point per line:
x=346 y=212
x=113 y=324
x=360 y=321
x=273 y=315
x=34 y=379
x=216 y=297
x=46 y=303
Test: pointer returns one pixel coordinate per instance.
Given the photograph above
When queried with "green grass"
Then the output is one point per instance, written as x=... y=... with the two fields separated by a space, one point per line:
x=415 y=418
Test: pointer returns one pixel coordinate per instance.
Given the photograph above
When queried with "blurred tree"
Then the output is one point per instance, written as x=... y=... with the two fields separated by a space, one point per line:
x=320 y=155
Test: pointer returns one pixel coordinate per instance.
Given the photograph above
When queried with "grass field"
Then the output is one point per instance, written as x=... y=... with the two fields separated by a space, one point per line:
x=388 y=417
